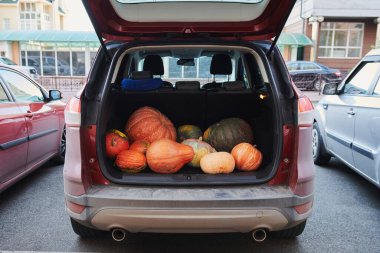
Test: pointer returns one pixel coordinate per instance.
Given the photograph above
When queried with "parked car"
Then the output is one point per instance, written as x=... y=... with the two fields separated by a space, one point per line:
x=31 y=126
x=48 y=65
x=347 y=120
x=277 y=197
x=308 y=75
x=29 y=71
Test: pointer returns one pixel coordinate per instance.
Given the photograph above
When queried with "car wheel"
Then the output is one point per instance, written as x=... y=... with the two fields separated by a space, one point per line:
x=84 y=231
x=60 y=158
x=319 y=155
x=290 y=232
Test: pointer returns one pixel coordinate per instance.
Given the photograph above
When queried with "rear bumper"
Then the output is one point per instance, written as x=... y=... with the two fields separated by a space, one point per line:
x=202 y=210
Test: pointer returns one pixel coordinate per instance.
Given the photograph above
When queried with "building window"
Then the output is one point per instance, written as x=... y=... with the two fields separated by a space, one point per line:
x=341 y=40
x=29 y=17
x=6 y=24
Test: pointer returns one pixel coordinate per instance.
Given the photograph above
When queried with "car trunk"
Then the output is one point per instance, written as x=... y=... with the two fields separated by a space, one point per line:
x=200 y=107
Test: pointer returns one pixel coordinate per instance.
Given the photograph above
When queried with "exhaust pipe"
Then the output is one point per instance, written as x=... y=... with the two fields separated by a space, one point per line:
x=259 y=235
x=118 y=234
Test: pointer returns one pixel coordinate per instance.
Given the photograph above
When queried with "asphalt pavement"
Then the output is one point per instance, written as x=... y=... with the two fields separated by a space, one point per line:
x=346 y=218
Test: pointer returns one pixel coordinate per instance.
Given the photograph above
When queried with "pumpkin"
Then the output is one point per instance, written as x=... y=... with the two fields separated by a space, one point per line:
x=226 y=134
x=188 y=132
x=130 y=161
x=247 y=157
x=140 y=146
x=166 y=156
x=200 y=149
x=217 y=163
x=149 y=124
x=115 y=143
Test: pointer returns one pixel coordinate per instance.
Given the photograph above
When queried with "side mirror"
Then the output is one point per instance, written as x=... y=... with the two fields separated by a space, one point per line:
x=55 y=95
x=330 y=89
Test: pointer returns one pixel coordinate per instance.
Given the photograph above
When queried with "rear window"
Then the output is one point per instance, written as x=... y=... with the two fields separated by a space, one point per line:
x=197 y=69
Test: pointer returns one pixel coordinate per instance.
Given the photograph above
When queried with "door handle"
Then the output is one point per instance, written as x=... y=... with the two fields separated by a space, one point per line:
x=325 y=106
x=351 y=112
x=29 y=114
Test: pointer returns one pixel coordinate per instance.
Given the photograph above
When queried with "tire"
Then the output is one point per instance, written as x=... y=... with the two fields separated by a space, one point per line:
x=84 y=231
x=60 y=157
x=290 y=232
x=320 y=155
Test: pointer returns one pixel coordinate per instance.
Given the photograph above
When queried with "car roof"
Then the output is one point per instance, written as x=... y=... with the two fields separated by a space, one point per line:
x=374 y=52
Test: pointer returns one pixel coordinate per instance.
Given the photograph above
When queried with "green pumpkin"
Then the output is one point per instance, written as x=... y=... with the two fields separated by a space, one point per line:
x=227 y=133
x=188 y=132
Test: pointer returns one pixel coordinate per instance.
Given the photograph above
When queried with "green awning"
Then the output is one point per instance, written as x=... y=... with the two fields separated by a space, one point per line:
x=49 y=36
x=294 y=39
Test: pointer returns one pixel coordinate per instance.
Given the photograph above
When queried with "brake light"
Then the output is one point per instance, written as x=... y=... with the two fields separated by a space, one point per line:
x=338 y=74
x=72 y=112
x=305 y=111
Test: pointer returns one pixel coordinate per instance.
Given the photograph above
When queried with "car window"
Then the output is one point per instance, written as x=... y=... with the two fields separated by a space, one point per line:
x=3 y=95
x=292 y=66
x=377 y=88
x=21 y=88
x=309 y=66
x=360 y=82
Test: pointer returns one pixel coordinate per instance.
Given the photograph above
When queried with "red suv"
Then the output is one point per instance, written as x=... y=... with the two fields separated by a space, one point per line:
x=198 y=63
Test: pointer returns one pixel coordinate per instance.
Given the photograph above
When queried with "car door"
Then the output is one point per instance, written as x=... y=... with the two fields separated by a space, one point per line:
x=341 y=111
x=13 y=137
x=366 y=144
x=41 y=119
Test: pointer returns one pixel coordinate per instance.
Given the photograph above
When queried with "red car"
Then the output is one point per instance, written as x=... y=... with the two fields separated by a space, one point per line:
x=31 y=126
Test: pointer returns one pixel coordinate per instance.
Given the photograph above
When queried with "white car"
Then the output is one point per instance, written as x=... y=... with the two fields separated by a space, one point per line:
x=29 y=71
x=347 y=121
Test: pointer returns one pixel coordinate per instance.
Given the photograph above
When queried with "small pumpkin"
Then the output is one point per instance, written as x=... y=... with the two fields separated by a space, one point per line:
x=115 y=143
x=227 y=133
x=200 y=149
x=185 y=132
x=149 y=124
x=140 y=146
x=247 y=157
x=218 y=163
x=130 y=161
x=166 y=156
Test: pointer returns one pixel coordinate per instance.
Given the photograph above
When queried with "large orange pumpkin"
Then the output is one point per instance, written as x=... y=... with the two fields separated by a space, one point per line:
x=167 y=156
x=149 y=124
x=247 y=157
x=130 y=161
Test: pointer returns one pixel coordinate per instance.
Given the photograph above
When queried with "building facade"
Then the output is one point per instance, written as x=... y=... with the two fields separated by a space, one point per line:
x=32 y=34
x=342 y=31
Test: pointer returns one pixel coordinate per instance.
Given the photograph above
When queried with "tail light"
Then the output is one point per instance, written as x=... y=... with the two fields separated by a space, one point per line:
x=338 y=74
x=296 y=167
x=72 y=112
x=302 y=172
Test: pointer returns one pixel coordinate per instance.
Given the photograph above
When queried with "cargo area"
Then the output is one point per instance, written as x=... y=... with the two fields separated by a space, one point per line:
x=245 y=93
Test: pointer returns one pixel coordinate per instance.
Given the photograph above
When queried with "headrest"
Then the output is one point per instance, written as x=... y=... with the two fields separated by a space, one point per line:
x=221 y=65
x=187 y=85
x=153 y=63
x=141 y=75
x=233 y=86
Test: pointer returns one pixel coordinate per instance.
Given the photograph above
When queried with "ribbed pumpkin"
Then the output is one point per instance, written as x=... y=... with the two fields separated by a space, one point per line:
x=218 y=163
x=226 y=134
x=247 y=157
x=130 y=161
x=149 y=124
x=167 y=156
x=140 y=146
x=200 y=149
x=185 y=132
